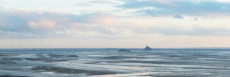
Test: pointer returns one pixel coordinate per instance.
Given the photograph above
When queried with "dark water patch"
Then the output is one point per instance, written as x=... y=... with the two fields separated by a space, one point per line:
x=72 y=56
x=7 y=62
x=70 y=71
x=58 y=55
x=176 y=76
x=175 y=55
x=13 y=68
x=53 y=57
x=95 y=62
x=206 y=55
x=150 y=62
x=8 y=54
x=208 y=68
x=11 y=59
x=194 y=75
x=12 y=76
x=188 y=58
x=46 y=59
x=157 y=62
x=118 y=57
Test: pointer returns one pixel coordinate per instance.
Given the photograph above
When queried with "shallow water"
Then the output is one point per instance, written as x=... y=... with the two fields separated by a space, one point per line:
x=112 y=63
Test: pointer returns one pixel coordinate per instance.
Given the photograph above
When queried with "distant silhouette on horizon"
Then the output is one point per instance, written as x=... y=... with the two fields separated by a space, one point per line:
x=147 y=48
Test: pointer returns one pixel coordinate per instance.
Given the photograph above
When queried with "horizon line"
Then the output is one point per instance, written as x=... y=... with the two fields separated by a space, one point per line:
x=129 y=48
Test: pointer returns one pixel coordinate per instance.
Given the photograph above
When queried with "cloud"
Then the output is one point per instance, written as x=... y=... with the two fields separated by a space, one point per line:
x=102 y=1
x=178 y=16
x=26 y=24
x=223 y=0
x=182 y=7
x=97 y=18
x=195 y=19
x=42 y=24
x=197 y=31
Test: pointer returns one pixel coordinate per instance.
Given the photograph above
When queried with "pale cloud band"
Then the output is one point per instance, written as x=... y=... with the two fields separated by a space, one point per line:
x=119 y=19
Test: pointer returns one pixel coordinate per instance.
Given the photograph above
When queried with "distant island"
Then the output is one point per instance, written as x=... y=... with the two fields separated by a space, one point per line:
x=147 y=48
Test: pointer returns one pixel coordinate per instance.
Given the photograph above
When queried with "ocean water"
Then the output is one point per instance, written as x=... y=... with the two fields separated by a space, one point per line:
x=114 y=63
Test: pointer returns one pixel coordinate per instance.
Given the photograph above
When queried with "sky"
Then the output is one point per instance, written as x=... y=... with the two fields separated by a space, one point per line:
x=114 y=23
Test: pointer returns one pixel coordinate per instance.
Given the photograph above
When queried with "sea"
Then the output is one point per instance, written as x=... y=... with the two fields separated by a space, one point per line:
x=109 y=62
